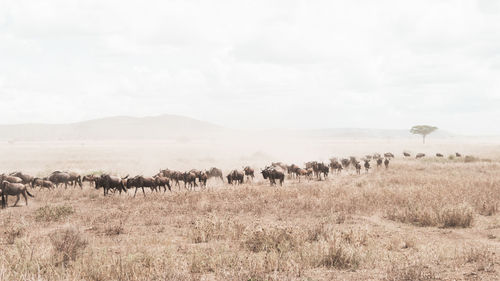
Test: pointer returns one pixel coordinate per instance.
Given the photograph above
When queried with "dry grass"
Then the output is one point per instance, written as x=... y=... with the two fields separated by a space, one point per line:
x=418 y=220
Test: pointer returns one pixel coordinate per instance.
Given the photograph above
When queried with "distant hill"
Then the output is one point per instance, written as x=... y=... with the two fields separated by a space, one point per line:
x=114 y=128
x=174 y=127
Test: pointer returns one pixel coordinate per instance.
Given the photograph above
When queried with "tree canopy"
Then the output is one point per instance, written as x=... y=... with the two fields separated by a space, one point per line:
x=422 y=130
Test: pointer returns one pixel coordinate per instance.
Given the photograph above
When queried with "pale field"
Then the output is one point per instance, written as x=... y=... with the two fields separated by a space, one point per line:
x=430 y=219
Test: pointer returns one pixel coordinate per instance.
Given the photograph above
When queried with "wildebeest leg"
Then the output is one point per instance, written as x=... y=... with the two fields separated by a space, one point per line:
x=15 y=204
x=169 y=188
x=143 y=192
x=135 y=191
x=25 y=197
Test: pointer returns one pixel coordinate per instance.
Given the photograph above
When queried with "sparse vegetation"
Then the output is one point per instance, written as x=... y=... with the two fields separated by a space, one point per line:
x=417 y=220
x=53 y=213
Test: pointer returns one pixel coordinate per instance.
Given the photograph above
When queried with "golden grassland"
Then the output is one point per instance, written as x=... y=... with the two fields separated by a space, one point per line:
x=419 y=220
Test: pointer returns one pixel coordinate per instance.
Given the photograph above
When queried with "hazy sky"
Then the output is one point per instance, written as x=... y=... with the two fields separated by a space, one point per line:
x=292 y=64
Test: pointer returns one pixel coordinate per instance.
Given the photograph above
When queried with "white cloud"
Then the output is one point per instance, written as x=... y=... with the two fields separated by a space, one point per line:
x=378 y=64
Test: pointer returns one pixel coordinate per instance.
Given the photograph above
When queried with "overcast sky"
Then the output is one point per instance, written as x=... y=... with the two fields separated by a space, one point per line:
x=256 y=64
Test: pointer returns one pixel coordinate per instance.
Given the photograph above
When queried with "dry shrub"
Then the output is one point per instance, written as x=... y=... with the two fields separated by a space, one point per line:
x=414 y=214
x=279 y=240
x=456 y=216
x=341 y=255
x=410 y=272
x=67 y=243
x=53 y=213
x=12 y=233
x=470 y=159
x=421 y=215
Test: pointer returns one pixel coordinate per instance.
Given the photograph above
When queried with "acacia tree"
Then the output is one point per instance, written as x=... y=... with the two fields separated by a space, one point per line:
x=422 y=130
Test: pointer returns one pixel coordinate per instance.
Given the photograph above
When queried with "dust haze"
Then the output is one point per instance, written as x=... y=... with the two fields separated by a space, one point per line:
x=128 y=145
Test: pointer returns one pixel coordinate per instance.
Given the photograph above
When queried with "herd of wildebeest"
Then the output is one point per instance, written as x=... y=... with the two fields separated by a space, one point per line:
x=17 y=183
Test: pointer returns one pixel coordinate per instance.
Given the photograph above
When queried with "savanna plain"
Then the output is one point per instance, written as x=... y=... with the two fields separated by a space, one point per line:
x=420 y=219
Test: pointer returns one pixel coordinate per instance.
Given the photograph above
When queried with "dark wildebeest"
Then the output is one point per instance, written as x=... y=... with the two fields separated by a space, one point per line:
x=215 y=173
x=386 y=163
x=27 y=179
x=235 y=177
x=11 y=179
x=336 y=167
x=177 y=176
x=190 y=179
x=367 y=165
x=141 y=182
x=272 y=174
x=202 y=178
x=406 y=154
x=388 y=155
x=163 y=182
x=58 y=177
x=299 y=172
x=14 y=189
x=420 y=155
x=439 y=155
x=322 y=169
x=312 y=165
x=108 y=182
x=458 y=154
x=249 y=173
x=74 y=179
x=42 y=183
x=379 y=162
x=357 y=165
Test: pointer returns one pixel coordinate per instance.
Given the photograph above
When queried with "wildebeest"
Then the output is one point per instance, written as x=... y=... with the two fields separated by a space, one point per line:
x=235 y=177
x=367 y=165
x=299 y=172
x=190 y=179
x=89 y=178
x=272 y=174
x=335 y=166
x=388 y=155
x=141 y=182
x=42 y=183
x=439 y=155
x=177 y=176
x=358 y=167
x=26 y=179
x=249 y=172
x=386 y=163
x=420 y=155
x=458 y=154
x=11 y=179
x=162 y=182
x=14 y=189
x=202 y=178
x=108 y=182
x=379 y=162
x=59 y=177
x=321 y=168
x=345 y=163
x=215 y=173
x=280 y=165
x=406 y=154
